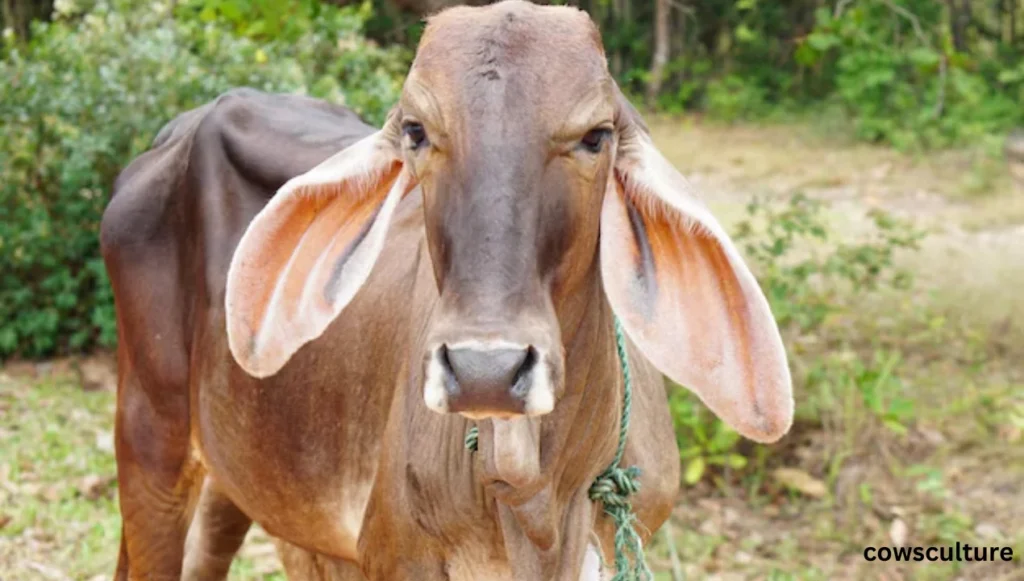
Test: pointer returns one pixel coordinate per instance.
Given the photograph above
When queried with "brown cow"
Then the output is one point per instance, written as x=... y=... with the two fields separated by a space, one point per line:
x=313 y=313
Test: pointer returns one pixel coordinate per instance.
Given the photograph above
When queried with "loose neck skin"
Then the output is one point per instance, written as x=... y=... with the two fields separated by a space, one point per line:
x=577 y=440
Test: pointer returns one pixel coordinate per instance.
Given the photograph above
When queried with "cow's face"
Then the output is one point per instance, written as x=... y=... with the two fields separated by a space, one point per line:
x=507 y=122
x=538 y=178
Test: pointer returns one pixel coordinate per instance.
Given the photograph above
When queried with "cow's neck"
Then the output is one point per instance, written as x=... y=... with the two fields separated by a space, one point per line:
x=577 y=440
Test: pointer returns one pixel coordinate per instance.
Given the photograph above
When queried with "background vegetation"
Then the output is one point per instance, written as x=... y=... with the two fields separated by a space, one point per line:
x=90 y=82
x=889 y=248
x=915 y=73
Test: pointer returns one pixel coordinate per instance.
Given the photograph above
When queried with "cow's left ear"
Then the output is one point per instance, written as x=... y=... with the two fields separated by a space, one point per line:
x=684 y=295
x=304 y=256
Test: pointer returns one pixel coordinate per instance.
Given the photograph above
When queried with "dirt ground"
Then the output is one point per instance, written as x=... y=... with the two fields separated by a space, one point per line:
x=956 y=476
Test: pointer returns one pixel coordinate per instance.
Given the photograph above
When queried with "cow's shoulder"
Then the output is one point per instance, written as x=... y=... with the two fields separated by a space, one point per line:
x=271 y=137
x=244 y=136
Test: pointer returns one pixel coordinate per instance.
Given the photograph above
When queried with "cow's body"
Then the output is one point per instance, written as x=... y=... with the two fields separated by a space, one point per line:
x=336 y=453
x=311 y=311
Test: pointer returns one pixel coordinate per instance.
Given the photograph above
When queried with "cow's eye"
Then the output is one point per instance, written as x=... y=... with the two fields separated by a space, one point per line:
x=595 y=138
x=416 y=134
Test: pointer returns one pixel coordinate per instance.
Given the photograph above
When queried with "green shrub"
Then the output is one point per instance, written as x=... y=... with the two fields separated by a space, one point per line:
x=808 y=279
x=732 y=98
x=902 y=82
x=88 y=94
x=891 y=67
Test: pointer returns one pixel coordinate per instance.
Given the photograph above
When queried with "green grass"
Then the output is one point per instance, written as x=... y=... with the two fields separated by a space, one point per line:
x=58 y=492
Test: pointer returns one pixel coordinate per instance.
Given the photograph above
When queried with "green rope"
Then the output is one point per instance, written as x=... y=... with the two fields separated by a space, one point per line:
x=615 y=485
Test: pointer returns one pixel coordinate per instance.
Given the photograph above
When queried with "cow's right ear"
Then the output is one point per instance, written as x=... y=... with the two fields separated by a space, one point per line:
x=304 y=256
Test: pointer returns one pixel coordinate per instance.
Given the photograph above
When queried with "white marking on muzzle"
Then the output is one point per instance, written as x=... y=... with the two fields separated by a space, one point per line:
x=487 y=345
x=540 y=399
x=434 y=393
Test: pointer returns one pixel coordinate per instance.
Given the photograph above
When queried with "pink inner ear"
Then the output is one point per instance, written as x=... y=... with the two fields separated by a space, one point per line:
x=325 y=230
x=694 y=309
x=306 y=253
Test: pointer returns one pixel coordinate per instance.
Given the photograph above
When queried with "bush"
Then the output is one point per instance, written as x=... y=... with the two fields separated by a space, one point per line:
x=902 y=72
x=901 y=82
x=808 y=279
x=89 y=93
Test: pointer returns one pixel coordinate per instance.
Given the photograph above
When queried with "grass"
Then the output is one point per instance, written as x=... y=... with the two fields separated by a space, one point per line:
x=915 y=433
x=58 y=495
x=56 y=488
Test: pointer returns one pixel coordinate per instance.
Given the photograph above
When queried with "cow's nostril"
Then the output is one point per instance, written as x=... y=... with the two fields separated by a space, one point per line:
x=489 y=369
x=521 y=383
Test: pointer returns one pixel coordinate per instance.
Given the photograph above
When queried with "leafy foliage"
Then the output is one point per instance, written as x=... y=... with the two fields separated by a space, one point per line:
x=899 y=77
x=913 y=73
x=90 y=91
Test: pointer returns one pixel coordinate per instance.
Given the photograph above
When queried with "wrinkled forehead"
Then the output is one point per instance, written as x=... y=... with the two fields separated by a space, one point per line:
x=541 y=62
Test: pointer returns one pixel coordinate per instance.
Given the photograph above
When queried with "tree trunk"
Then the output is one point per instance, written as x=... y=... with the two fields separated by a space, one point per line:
x=959 y=18
x=618 y=8
x=661 y=49
x=427 y=7
x=677 y=43
x=19 y=14
x=1013 y=21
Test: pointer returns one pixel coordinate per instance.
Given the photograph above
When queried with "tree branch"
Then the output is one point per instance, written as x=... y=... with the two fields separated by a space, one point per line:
x=984 y=30
x=688 y=10
x=840 y=6
x=940 y=103
x=914 y=22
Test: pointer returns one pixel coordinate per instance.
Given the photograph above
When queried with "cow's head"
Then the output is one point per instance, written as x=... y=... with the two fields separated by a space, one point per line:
x=535 y=172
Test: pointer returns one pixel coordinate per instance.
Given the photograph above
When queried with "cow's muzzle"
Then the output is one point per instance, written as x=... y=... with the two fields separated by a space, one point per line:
x=481 y=380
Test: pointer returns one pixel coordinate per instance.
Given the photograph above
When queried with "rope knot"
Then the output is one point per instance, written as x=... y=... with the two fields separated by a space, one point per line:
x=615 y=486
x=613 y=489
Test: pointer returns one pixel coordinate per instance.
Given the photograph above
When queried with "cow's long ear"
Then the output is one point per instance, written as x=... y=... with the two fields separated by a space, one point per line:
x=684 y=295
x=304 y=256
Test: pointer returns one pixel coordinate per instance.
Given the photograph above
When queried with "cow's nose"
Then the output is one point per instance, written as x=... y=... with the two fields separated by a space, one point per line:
x=488 y=382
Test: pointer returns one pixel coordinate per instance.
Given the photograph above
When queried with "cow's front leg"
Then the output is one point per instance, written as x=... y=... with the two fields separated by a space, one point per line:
x=156 y=478
x=217 y=531
x=302 y=565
